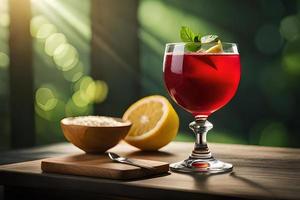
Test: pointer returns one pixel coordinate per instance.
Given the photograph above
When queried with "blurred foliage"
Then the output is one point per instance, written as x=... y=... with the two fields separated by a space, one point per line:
x=57 y=46
x=263 y=112
x=61 y=36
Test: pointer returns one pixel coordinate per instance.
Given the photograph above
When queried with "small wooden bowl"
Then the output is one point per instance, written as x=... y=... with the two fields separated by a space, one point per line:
x=94 y=139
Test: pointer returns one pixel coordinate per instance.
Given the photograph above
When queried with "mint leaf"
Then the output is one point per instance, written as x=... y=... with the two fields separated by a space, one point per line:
x=193 y=47
x=194 y=41
x=186 y=34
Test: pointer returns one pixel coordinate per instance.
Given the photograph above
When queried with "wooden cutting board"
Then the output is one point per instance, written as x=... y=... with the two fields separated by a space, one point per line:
x=101 y=166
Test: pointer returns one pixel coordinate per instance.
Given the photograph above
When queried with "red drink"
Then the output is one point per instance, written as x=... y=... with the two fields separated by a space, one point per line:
x=201 y=83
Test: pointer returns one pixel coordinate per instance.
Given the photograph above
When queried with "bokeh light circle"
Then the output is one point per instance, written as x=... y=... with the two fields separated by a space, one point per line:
x=290 y=27
x=92 y=91
x=65 y=57
x=45 y=98
x=268 y=39
x=291 y=57
x=45 y=31
x=97 y=91
x=75 y=73
x=35 y=24
x=84 y=83
x=80 y=99
x=53 y=41
x=55 y=114
x=4 y=60
x=72 y=110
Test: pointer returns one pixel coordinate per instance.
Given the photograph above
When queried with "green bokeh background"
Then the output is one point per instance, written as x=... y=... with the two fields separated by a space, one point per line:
x=264 y=110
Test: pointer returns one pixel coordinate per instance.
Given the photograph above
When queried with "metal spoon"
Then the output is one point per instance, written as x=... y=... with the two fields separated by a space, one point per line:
x=117 y=158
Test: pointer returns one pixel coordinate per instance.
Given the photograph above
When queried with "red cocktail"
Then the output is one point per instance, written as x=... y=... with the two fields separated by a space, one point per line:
x=201 y=82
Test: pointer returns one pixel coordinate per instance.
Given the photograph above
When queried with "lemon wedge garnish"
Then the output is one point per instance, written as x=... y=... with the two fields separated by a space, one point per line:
x=216 y=48
x=154 y=123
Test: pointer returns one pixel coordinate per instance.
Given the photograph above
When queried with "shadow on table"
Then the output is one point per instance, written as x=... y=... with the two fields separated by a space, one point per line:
x=252 y=183
x=147 y=177
x=202 y=179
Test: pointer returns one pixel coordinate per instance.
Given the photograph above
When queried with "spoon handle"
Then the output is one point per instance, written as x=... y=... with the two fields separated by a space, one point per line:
x=132 y=162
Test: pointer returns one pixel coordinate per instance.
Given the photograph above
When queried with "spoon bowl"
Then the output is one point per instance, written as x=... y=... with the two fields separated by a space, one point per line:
x=115 y=157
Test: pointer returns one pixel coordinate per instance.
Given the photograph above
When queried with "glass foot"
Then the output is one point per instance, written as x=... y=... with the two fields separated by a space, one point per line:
x=210 y=166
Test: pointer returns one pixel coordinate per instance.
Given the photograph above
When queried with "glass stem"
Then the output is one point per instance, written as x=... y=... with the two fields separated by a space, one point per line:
x=200 y=127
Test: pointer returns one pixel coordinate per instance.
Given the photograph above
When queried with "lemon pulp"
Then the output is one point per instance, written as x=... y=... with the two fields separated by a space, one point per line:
x=154 y=123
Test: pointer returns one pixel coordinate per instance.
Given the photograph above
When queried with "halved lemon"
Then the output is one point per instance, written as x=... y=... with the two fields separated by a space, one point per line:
x=154 y=123
x=216 y=48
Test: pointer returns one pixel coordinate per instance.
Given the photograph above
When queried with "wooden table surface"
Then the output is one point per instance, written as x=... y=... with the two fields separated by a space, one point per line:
x=259 y=173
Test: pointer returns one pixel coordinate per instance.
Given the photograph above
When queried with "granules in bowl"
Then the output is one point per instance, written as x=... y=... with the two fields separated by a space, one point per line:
x=93 y=121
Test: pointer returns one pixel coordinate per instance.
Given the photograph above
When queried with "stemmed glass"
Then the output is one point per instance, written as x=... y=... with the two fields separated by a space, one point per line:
x=201 y=83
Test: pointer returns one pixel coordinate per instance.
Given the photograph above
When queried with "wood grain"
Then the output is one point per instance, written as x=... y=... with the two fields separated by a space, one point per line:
x=259 y=173
x=101 y=166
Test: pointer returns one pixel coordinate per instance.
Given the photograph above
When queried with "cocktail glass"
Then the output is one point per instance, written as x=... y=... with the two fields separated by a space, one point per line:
x=201 y=83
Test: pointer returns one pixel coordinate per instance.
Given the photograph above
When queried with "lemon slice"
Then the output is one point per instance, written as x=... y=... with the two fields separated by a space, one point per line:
x=215 y=49
x=154 y=123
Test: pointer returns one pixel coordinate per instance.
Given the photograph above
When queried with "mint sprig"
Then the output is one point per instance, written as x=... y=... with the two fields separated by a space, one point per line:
x=194 y=41
x=186 y=34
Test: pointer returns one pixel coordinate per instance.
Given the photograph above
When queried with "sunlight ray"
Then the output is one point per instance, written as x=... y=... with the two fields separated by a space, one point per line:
x=74 y=20
x=121 y=61
x=60 y=24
